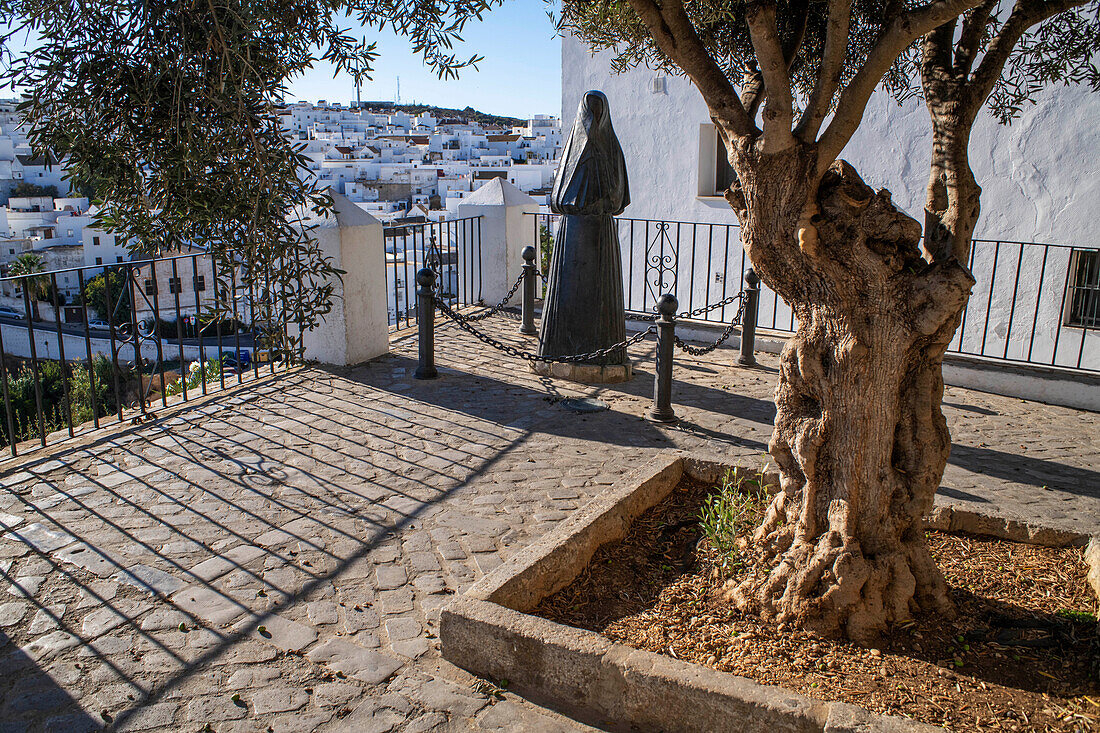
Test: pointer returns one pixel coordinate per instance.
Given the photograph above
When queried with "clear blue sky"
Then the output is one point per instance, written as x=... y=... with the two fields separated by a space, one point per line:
x=520 y=75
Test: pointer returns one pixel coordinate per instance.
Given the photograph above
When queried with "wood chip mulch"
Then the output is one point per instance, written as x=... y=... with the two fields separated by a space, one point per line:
x=1022 y=654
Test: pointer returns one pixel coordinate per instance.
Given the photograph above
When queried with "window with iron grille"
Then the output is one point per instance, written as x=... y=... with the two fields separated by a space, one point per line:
x=1084 y=293
x=199 y=283
x=150 y=287
x=174 y=285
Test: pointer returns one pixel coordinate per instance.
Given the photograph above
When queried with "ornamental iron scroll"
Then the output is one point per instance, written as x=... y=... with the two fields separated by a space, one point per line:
x=662 y=257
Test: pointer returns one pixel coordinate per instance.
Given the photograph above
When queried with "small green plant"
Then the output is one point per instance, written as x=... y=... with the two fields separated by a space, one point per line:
x=1081 y=616
x=210 y=372
x=733 y=507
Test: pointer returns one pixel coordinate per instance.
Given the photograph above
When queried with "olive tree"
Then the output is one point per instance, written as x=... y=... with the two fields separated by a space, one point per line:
x=859 y=438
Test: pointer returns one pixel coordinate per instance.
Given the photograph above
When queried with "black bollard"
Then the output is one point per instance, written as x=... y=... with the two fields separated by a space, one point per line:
x=425 y=319
x=662 y=383
x=530 y=277
x=748 y=319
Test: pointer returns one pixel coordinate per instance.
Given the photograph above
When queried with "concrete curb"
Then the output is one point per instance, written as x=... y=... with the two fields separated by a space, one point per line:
x=489 y=632
x=952 y=518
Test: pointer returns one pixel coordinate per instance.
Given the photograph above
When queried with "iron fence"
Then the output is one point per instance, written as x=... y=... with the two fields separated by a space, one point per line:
x=114 y=340
x=450 y=248
x=1032 y=303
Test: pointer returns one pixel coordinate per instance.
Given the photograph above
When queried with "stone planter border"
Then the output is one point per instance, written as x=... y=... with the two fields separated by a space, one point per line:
x=490 y=632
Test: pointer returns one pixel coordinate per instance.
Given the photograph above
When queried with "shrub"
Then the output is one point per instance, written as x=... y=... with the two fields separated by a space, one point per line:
x=734 y=507
x=197 y=373
x=24 y=407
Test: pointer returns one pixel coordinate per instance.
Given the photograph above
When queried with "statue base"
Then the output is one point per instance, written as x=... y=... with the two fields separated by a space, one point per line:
x=585 y=373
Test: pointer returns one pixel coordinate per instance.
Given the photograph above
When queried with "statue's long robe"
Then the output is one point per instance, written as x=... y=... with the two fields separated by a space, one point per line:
x=584 y=311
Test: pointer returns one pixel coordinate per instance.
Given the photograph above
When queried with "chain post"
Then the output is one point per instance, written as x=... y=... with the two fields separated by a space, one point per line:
x=748 y=320
x=530 y=276
x=425 y=317
x=662 y=383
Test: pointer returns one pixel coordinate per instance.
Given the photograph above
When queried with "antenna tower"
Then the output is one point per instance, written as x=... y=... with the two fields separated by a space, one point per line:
x=398 y=91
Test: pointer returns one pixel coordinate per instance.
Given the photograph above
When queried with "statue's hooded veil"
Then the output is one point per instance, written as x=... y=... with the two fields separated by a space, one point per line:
x=592 y=174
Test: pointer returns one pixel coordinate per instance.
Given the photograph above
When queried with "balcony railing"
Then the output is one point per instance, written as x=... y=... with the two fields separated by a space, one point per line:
x=451 y=248
x=1033 y=303
x=129 y=338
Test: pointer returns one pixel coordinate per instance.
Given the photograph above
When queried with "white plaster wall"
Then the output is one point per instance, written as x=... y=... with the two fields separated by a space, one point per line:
x=356 y=329
x=17 y=343
x=1040 y=176
x=659 y=134
x=1040 y=179
x=504 y=230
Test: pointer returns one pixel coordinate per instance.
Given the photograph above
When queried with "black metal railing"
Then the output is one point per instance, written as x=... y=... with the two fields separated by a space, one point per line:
x=1032 y=303
x=699 y=263
x=663 y=325
x=451 y=248
x=88 y=345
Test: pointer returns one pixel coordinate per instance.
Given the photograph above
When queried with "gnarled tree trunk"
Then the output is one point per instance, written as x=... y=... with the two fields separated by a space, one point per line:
x=859 y=437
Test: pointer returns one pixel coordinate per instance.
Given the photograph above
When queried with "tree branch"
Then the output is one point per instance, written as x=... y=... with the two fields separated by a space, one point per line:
x=970 y=39
x=936 y=65
x=828 y=76
x=752 y=92
x=1025 y=15
x=752 y=84
x=677 y=39
x=904 y=29
x=779 y=105
x=801 y=10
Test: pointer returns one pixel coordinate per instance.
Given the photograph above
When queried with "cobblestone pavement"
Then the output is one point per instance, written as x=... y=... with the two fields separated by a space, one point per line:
x=276 y=559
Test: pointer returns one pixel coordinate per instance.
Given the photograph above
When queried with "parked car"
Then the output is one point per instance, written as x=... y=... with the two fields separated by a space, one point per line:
x=6 y=312
x=98 y=325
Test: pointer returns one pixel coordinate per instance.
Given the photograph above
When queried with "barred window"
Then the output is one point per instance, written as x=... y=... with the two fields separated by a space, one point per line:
x=1084 y=294
x=150 y=287
x=174 y=285
x=200 y=283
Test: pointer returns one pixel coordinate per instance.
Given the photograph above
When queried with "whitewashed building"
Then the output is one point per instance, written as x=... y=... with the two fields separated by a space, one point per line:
x=1040 y=179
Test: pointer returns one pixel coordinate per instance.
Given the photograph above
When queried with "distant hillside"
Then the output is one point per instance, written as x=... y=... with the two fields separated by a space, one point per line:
x=471 y=114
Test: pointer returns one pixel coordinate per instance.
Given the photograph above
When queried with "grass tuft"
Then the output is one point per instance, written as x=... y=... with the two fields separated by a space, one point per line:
x=734 y=507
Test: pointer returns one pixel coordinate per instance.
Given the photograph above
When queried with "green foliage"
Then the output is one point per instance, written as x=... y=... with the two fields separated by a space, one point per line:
x=469 y=113
x=28 y=266
x=51 y=376
x=1078 y=616
x=734 y=506
x=612 y=25
x=95 y=295
x=1064 y=49
x=169 y=111
x=29 y=190
x=197 y=374
x=546 y=248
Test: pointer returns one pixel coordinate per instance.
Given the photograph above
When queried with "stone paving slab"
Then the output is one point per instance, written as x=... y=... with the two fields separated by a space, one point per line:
x=278 y=562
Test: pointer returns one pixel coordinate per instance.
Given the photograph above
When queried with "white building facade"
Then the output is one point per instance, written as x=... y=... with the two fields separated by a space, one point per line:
x=1040 y=179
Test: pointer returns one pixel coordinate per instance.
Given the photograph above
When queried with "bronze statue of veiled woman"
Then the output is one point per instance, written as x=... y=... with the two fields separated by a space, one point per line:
x=584 y=311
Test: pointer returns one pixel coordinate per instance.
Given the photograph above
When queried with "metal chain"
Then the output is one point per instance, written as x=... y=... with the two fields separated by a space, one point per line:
x=651 y=317
x=703 y=350
x=499 y=306
x=720 y=304
x=464 y=323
